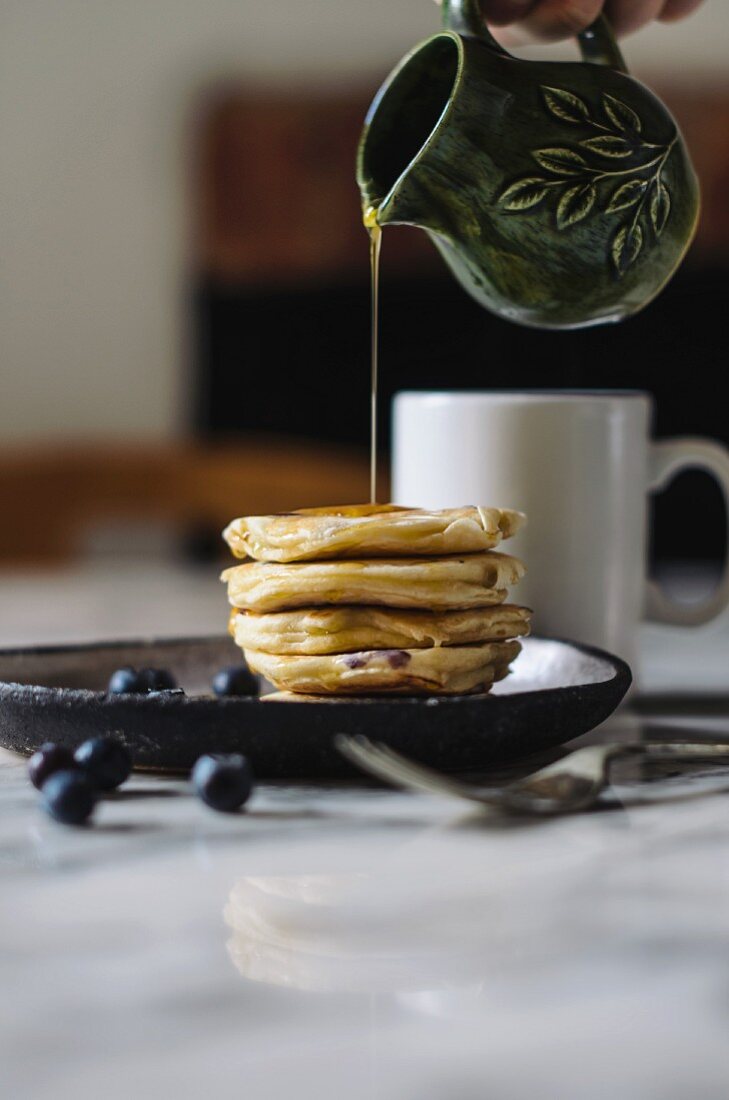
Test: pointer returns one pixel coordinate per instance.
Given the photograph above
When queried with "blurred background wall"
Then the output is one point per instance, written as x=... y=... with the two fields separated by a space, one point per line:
x=97 y=107
x=180 y=237
x=97 y=100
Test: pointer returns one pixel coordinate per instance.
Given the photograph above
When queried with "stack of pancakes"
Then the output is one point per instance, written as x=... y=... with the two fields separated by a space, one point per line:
x=368 y=599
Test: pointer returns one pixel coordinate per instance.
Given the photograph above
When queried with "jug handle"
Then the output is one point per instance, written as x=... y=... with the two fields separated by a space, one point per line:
x=465 y=17
x=597 y=42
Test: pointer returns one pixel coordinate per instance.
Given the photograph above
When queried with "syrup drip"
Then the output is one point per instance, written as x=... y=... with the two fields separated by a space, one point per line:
x=375 y=234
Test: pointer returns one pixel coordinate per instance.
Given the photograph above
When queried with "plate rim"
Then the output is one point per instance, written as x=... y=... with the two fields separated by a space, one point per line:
x=622 y=675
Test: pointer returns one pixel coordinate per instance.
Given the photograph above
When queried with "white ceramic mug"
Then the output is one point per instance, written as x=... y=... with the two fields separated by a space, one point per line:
x=581 y=465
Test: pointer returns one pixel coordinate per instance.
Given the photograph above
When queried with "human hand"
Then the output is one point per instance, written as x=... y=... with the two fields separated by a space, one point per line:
x=526 y=20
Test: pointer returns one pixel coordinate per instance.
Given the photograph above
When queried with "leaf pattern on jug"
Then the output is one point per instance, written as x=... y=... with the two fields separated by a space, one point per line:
x=609 y=145
x=660 y=207
x=563 y=162
x=525 y=193
x=576 y=175
x=627 y=243
x=626 y=195
x=565 y=106
x=575 y=204
x=621 y=115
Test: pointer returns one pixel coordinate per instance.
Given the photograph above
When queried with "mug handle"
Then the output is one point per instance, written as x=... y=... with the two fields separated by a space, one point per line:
x=666 y=459
x=597 y=42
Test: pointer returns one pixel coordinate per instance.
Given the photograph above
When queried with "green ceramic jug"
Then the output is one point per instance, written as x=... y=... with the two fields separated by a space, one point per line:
x=559 y=193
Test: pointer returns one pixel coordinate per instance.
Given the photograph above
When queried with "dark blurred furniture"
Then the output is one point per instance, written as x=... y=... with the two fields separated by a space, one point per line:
x=52 y=497
x=282 y=302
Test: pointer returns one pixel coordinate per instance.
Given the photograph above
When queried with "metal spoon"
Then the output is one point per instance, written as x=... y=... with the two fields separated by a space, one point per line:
x=572 y=783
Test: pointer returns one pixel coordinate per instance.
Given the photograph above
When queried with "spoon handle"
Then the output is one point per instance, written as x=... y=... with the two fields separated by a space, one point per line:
x=683 y=749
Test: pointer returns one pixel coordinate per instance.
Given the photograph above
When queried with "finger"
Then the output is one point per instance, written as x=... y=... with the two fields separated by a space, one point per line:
x=501 y=12
x=552 y=19
x=627 y=16
x=677 y=9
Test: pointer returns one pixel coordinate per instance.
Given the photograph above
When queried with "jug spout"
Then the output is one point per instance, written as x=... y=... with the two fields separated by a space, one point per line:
x=560 y=194
x=401 y=124
x=406 y=203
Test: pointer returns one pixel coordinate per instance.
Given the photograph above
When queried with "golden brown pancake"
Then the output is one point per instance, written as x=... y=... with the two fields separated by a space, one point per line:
x=475 y=580
x=315 y=630
x=445 y=670
x=369 y=531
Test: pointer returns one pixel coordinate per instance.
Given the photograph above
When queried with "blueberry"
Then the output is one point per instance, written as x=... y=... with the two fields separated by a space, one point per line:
x=68 y=797
x=126 y=680
x=158 y=679
x=48 y=759
x=235 y=680
x=105 y=762
x=223 y=782
x=140 y=681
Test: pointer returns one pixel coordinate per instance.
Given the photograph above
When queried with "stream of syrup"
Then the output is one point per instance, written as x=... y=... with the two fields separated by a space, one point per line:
x=375 y=235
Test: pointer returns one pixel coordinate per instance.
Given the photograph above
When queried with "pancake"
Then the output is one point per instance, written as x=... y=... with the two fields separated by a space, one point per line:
x=369 y=530
x=445 y=670
x=476 y=580
x=315 y=630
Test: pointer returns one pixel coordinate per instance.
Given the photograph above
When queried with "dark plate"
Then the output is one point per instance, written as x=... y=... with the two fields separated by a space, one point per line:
x=557 y=691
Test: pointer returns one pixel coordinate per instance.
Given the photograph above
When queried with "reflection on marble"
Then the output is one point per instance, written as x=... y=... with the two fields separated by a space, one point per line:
x=331 y=933
x=363 y=943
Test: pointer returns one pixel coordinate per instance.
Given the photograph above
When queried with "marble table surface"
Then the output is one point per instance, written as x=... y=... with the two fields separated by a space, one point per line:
x=353 y=942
